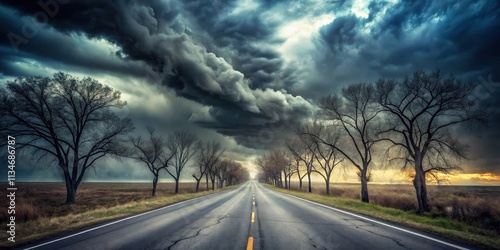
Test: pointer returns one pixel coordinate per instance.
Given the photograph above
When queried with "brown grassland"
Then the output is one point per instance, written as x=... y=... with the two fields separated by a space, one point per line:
x=478 y=206
x=40 y=209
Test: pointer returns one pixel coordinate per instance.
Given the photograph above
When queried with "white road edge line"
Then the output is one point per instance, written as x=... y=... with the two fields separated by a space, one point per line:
x=378 y=222
x=118 y=221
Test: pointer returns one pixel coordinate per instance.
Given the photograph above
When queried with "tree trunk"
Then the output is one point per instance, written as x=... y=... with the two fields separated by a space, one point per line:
x=70 y=190
x=177 y=185
x=364 y=187
x=155 y=182
x=198 y=184
x=281 y=180
x=286 y=180
x=420 y=189
x=213 y=183
x=206 y=179
x=309 y=184
x=327 y=184
x=300 y=183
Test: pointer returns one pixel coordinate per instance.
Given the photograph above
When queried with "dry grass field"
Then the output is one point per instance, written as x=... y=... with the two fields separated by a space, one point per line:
x=40 y=209
x=39 y=200
x=478 y=206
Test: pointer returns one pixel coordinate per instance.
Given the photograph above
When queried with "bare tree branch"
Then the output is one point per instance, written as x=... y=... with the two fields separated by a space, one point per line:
x=54 y=117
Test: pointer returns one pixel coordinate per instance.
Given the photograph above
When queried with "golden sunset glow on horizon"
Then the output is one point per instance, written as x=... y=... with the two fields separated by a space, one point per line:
x=395 y=176
x=475 y=178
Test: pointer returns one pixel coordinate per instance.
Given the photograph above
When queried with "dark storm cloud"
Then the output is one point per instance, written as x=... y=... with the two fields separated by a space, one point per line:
x=457 y=37
x=341 y=32
x=460 y=38
x=246 y=36
x=42 y=48
x=150 y=32
x=242 y=38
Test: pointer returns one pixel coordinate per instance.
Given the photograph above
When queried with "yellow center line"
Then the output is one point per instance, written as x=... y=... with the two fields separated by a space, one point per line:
x=250 y=243
x=253 y=217
x=253 y=203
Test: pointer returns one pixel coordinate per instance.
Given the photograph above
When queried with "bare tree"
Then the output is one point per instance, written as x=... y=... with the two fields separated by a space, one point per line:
x=235 y=173
x=152 y=152
x=279 y=159
x=271 y=171
x=227 y=171
x=66 y=119
x=297 y=150
x=212 y=175
x=208 y=155
x=355 y=112
x=289 y=169
x=302 y=152
x=326 y=156
x=420 y=112
x=182 y=145
x=239 y=174
x=276 y=166
x=220 y=170
x=265 y=169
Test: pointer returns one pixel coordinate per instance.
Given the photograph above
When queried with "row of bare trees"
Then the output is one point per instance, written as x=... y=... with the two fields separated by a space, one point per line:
x=409 y=121
x=71 y=121
x=157 y=153
x=210 y=164
x=303 y=156
x=175 y=152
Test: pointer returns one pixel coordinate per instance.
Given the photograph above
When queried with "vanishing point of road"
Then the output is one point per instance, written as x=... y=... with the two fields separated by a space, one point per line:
x=250 y=216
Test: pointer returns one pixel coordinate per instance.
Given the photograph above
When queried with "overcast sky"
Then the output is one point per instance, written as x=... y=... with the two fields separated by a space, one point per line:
x=244 y=72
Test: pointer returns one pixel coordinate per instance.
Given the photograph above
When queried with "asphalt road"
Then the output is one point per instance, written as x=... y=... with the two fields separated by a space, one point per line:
x=249 y=217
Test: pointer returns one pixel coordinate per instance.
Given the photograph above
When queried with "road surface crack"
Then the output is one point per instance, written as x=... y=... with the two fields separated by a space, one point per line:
x=311 y=240
x=197 y=232
x=312 y=243
x=397 y=241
